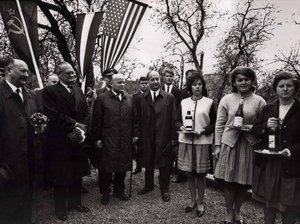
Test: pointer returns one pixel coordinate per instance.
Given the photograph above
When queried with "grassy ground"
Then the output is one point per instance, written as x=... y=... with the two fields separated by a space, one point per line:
x=147 y=208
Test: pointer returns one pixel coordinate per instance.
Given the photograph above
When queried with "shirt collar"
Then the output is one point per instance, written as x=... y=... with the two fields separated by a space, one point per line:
x=66 y=86
x=13 y=87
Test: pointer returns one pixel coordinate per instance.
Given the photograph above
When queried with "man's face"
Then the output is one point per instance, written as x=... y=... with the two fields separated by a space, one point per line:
x=168 y=78
x=67 y=74
x=17 y=73
x=154 y=81
x=108 y=80
x=144 y=85
x=118 y=83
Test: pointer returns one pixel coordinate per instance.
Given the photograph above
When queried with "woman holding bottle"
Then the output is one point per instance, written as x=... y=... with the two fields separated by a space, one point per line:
x=237 y=112
x=196 y=118
x=276 y=180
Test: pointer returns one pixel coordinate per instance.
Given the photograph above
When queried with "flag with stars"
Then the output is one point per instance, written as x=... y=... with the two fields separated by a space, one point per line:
x=122 y=20
x=17 y=30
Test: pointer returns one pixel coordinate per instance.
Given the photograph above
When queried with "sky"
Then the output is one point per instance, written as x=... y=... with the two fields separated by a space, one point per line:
x=149 y=40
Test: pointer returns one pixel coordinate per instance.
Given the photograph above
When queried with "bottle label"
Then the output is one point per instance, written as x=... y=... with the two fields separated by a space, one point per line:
x=188 y=124
x=271 y=141
x=238 y=122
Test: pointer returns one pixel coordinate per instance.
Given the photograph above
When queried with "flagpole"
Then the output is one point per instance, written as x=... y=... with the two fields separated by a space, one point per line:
x=30 y=45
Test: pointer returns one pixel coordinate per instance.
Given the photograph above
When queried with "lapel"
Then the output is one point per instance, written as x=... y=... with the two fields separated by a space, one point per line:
x=291 y=111
x=27 y=99
x=149 y=99
x=64 y=93
x=77 y=95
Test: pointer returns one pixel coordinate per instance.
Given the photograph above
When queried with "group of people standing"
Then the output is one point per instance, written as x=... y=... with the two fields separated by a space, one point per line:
x=110 y=123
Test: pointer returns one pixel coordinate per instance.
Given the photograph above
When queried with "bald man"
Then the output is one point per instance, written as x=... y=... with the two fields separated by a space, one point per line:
x=112 y=133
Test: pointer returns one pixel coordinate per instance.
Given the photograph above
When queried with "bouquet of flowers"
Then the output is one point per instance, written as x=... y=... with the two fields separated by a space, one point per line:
x=39 y=122
x=77 y=135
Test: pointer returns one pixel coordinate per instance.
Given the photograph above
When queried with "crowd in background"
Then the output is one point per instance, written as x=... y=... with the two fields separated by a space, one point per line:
x=177 y=131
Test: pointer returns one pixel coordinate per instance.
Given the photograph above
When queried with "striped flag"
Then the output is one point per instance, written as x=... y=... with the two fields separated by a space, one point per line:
x=20 y=21
x=87 y=26
x=121 y=22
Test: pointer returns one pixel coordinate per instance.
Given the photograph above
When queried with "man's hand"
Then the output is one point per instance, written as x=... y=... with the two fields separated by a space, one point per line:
x=135 y=139
x=217 y=151
x=286 y=153
x=98 y=144
x=81 y=126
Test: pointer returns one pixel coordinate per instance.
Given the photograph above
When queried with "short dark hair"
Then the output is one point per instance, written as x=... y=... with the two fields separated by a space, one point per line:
x=109 y=71
x=190 y=71
x=284 y=76
x=194 y=77
x=245 y=71
x=143 y=78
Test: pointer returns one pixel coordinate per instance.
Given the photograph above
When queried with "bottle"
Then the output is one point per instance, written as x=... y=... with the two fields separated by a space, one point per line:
x=239 y=115
x=272 y=139
x=188 y=121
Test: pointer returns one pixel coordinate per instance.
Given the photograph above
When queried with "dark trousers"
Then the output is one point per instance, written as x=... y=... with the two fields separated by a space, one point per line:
x=67 y=196
x=16 y=205
x=138 y=154
x=117 y=178
x=164 y=178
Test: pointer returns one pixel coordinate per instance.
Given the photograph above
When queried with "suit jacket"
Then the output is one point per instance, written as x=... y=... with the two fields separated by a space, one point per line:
x=176 y=93
x=16 y=133
x=67 y=161
x=155 y=125
x=289 y=136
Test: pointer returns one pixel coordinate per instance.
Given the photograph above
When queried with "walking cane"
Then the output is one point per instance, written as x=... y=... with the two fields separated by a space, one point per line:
x=130 y=178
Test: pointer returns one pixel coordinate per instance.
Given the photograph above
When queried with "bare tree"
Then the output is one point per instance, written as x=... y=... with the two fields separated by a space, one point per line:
x=188 y=22
x=252 y=27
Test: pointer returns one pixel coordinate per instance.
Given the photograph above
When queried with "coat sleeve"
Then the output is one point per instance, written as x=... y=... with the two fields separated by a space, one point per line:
x=97 y=121
x=222 y=117
x=173 y=115
x=136 y=116
x=212 y=116
x=58 y=119
x=178 y=118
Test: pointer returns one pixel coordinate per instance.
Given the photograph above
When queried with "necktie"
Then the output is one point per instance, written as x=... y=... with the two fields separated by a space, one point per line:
x=154 y=96
x=168 y=89
x=70 y=88
x=18 y=91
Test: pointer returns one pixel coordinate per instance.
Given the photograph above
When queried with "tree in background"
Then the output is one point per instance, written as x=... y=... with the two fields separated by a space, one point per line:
x=187 y=22
x=252 y=27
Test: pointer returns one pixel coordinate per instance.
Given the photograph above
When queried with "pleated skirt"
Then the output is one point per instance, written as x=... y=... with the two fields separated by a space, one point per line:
x=193 y=158
x=235 y=164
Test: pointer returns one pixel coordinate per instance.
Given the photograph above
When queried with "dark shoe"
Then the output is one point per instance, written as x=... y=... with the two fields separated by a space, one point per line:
x=145 y=190
x=241 y=221
x=105 y=199
x=137 y=170
x=199 y=213
x=176 y=179
x=165 y=197
x=122 y=197
x=189 y=209
x=62 y=217
x=81 y=208
x=84 y=190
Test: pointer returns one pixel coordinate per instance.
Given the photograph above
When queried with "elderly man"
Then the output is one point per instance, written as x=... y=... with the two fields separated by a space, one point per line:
x=112 y=131
x=17 y=103
x=155 y=126
x=65 y=105
x=52 y=79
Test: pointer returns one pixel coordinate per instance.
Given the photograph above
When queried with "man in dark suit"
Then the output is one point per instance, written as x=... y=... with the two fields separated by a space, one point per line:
x=65 y=105
x=138 y=153
x=156 y=129
x=112 y=130
x=107 y=77
x=17 y=103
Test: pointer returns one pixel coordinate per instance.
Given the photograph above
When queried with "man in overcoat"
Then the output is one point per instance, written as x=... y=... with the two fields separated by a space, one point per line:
x=155 y=127
x=66 y=107
x=112 y=131
x=17 y=104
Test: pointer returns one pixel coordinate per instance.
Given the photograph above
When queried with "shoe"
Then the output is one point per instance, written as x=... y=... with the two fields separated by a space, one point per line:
x=84 y=190
x=176 y=179
x=145 y=190
x=62 y=217
x=189 y=209
x=105 y=199
x=122 y=197
x=165 y=196
x=137 y=170
x=241 y=221
x=199 y=213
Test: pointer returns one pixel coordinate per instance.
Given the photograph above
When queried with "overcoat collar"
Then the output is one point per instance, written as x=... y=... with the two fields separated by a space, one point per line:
x=112 y=95
x=291 y=111
x=65 y=93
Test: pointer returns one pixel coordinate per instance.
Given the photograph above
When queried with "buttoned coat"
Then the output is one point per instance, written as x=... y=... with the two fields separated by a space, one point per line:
x=16 y=133
x=155 y=125
x=113 y=125
x=289 y=136
x=67 y=161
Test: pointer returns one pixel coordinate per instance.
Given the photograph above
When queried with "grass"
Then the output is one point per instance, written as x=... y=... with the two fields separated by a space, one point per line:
x=148 y=208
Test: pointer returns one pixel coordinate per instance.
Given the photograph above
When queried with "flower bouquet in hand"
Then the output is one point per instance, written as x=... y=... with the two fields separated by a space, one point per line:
x=77 y=135
x=39 y=122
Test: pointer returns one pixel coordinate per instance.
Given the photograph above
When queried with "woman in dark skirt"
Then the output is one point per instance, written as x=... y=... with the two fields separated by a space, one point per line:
x=276 y=180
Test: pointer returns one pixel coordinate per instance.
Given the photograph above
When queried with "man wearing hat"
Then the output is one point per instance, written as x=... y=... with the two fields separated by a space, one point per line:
x=107 y=78
x=17 y=104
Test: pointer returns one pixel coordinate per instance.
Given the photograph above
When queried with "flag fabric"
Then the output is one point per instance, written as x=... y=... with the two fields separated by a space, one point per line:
x=122 y=20
x=17 y=30
x=87 y=26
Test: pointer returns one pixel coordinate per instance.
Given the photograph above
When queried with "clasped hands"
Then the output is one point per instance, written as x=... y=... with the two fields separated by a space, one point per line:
x=197 y=132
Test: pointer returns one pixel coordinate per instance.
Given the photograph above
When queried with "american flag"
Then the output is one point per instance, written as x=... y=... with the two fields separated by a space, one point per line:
x=121 y=22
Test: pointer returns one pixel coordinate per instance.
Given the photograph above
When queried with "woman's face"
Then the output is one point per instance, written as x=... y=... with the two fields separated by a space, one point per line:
x=242 y=83
x=197 y=87
x=285 y=89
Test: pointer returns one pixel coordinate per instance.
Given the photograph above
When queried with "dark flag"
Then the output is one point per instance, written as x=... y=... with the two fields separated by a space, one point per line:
x=87 y=26
x=121 y=22
x=20 y=21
